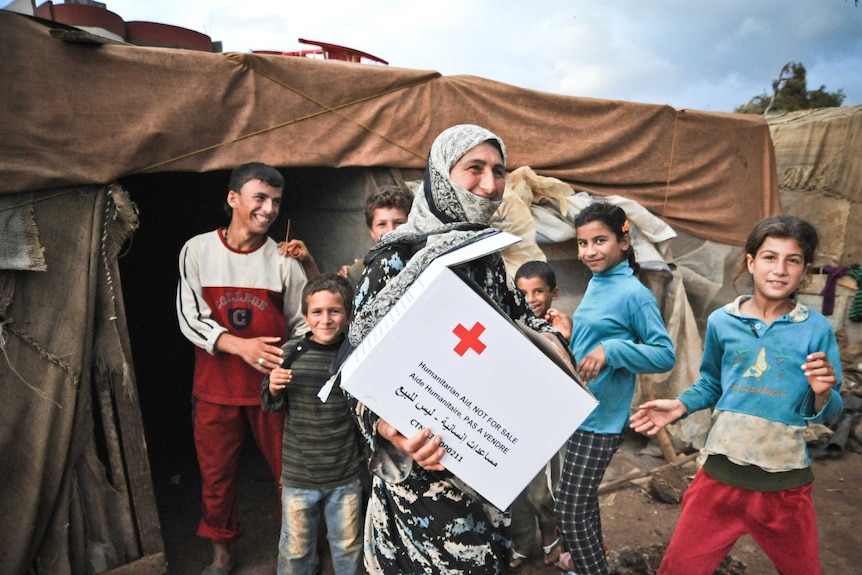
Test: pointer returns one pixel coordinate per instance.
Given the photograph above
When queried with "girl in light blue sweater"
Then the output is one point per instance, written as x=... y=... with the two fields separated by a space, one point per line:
x=617 y=333
x=767 y=369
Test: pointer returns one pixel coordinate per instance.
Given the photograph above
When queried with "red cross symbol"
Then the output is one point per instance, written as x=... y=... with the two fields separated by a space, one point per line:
x=469 y=338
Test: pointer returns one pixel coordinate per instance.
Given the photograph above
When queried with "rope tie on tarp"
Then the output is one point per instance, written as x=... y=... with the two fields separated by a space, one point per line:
x=676 y=114
x=5 y=324
x=103 y=248
x=31 y=201
x=239 y=59
x=111 y=214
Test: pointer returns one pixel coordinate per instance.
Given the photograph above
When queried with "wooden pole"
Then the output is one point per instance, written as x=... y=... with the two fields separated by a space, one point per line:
x=663 y=438
x=611 y=485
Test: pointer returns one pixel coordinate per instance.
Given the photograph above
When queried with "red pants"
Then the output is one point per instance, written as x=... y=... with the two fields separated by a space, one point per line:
x=715 y=515
x=220 y=432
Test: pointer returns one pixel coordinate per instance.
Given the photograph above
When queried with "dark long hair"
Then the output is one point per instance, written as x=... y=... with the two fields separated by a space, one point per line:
x=614 y=218
x=784 y=226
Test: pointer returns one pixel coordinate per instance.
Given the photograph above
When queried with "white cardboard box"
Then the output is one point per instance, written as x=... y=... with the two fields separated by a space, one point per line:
x=445 y=357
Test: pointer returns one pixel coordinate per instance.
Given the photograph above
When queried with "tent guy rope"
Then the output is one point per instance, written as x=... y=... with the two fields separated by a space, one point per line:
x=326 y=110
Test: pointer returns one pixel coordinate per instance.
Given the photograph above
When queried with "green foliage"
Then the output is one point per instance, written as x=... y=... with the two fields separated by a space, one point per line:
x=790 y=93
x=820 y=98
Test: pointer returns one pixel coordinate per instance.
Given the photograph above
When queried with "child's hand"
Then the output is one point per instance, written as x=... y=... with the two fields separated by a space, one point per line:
x=561 y=321
x=592 y=364
x=654 y=415
x=819 y=371
x=342 y=271
x=295 y=249
x=278 y=379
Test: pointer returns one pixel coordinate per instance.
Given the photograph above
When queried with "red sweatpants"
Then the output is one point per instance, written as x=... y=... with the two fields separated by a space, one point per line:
x=220 y=432
x=715 y=515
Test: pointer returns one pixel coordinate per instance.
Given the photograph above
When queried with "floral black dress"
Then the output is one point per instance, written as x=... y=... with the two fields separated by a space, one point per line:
x=422 y=521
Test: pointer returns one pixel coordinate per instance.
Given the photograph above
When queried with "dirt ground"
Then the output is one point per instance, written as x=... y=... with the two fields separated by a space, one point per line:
x=635 y=524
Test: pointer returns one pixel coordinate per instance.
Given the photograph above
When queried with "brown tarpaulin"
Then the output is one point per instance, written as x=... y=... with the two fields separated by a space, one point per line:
x=87 y=114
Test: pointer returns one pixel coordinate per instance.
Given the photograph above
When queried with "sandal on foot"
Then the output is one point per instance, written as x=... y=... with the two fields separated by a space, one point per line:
x=552 y=551
x=516 y=562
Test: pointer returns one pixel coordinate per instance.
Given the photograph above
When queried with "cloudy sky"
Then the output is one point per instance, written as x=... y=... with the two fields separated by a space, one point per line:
x=709 y=55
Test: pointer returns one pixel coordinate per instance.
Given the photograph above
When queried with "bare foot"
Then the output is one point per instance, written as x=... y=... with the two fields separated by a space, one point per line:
x=221 y=556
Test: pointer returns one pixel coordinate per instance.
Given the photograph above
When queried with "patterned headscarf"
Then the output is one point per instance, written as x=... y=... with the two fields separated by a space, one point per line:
x=440 y=201
x=444 y=216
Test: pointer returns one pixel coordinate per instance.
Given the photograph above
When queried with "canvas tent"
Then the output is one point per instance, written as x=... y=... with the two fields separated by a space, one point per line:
x=79 y=104
x=820 y=175
x=819 y=168
x=94 y=136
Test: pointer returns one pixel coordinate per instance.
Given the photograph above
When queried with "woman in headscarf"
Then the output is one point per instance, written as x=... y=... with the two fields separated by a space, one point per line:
x=421 y=518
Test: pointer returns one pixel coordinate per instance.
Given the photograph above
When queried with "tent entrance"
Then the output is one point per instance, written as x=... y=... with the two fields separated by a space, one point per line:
x=326 y=210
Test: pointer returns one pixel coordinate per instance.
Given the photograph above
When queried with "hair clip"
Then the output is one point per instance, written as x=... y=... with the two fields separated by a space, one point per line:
x=625 y=227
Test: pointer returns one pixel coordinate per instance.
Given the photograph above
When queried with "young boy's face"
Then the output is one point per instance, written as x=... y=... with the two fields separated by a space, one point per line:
x=385 y=220
x=326 y=316
x=539 y=294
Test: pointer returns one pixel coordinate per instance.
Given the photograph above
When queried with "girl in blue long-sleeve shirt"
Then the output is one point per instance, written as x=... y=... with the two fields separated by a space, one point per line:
x=767 y=369
x=617 y=333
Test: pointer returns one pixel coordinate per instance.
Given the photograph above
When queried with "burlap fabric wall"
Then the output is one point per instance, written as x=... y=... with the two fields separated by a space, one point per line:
x=62 y=510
